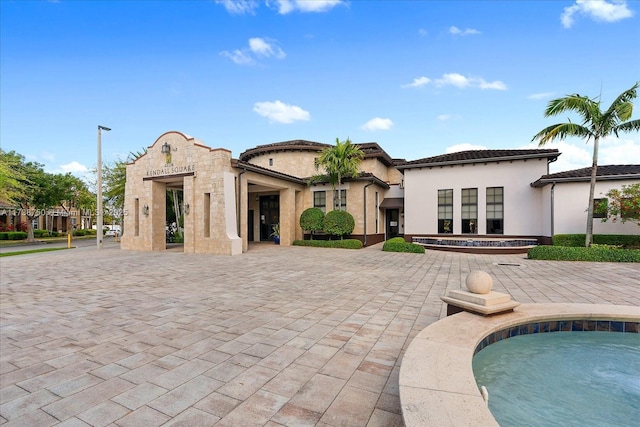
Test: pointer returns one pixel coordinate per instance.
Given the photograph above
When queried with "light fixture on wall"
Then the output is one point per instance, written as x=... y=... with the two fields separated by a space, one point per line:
x=145 y=210
x=186 y=209
x=166 y=148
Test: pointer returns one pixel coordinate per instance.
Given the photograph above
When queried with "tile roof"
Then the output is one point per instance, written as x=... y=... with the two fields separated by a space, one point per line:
x=480 y=156
x=605 y=172
x=293 y=145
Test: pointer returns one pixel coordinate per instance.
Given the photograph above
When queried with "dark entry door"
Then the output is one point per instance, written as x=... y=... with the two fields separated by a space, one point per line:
x=393 y=223
x=269 y=215
x=250 y=225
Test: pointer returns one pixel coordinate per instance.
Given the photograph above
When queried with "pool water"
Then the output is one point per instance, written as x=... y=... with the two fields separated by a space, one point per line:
x=563 y=379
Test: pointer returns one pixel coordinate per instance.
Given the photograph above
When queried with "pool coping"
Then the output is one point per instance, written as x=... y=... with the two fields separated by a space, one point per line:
x=437 y=385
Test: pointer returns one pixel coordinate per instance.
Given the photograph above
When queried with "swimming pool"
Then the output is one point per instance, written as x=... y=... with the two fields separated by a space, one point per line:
x=437 y=384
x=563 y=378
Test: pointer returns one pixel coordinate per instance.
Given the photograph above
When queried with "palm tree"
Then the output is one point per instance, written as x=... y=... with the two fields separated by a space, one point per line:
x=596 y=124
x=342 y=160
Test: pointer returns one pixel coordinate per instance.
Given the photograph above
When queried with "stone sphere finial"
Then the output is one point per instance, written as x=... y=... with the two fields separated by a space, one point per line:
x=479 y=282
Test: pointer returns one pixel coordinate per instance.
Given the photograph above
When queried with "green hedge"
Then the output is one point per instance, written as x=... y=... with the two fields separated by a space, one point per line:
x=398 y=244
x=569 y=253
x=40 y=233
x=577 y=240
x=13 y=235
x=344 y=244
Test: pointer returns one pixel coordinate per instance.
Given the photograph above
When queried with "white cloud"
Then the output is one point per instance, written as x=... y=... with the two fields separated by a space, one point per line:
x=459 y=81
x=258 y=46
x=377 y=123
x=577 y=154
x=417 y=82
x=619 y=151
x=458 y=32
x=74 y=167
x=239 y=57
x=464 y=147
x=288 y=6
x=422 y=32
x=239 y=7
x=262 y=47
x=598 y=10
x=280 y=112
x=541 y=95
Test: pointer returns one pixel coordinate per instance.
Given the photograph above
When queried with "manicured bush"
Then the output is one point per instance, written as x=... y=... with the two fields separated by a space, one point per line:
x=577 y=240
x=343 y=244
x=312 y=219
x=80 y=233
x=398 y=244
x=16 y=235
x=571 y=253
x=4 y=235
x=338 y=223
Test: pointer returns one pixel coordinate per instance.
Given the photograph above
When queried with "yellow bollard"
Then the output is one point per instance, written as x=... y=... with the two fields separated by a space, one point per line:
x=68 y=240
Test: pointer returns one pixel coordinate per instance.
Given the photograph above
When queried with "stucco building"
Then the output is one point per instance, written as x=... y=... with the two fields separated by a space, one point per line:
x=229 y=203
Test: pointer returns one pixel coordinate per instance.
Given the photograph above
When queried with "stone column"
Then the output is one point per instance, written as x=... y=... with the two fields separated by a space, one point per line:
x=157 y=216
x=194 y=216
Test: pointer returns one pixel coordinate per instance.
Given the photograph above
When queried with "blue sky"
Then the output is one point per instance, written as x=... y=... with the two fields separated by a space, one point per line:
x=421 y=78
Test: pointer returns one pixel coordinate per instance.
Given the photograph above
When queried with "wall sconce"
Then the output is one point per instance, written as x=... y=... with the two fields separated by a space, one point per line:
x=166 y=148
x=145 y=210
x=186 y=209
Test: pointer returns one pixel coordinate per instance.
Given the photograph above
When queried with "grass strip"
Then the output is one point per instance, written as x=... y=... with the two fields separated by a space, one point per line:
x=33 y=251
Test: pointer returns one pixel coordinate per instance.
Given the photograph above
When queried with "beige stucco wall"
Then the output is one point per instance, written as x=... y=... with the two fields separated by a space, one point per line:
x=570 y=206
x=295 y=163
x=522 y=203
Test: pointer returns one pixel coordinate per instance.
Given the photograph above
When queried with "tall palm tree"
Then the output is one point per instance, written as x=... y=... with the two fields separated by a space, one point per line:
x=595 y=124
x=340 y=161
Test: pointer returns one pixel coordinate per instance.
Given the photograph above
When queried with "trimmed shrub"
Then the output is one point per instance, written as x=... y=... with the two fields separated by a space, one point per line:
x=398 y=244
x=16 y=235
x=343 y=244
x=572 y=253
x=80 y=233
x=338 y=223
x=54 y=234
x=577 y=240
x=4 y=235
x=312 y=219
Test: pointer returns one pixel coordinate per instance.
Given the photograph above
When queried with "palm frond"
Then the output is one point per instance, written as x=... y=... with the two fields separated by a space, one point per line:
x=630 y=126
x=561 y=131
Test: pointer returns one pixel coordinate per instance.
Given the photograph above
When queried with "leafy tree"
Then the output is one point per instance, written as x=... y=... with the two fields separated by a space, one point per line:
x=596 y=124
x=13 y=182
x=312 y=219
x=341 y=161
x=114 y=177
x=338 y=223
x=621 y=203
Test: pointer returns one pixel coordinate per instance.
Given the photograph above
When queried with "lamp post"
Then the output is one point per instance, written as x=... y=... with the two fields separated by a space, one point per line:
x=99 y=234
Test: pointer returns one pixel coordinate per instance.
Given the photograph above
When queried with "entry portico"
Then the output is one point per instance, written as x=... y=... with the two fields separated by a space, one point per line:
x=226 y=203
x=206 y=179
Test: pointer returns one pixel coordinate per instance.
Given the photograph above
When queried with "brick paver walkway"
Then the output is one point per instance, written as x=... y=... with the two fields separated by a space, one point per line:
x=279 y=336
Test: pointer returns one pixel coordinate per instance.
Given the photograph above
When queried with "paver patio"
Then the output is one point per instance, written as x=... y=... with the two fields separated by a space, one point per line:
x=279 y=336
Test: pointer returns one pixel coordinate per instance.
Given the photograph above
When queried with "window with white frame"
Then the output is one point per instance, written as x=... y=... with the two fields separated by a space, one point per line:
x=445 y=211
x=495 y=210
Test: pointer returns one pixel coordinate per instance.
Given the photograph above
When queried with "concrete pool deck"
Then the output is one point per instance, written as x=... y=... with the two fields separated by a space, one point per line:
x=278 y=336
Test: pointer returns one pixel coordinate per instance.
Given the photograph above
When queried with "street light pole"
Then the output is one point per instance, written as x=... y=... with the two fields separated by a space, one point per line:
x=99 y=233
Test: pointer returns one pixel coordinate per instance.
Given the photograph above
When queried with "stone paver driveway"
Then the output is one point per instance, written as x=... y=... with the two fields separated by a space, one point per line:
x=279 y=336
